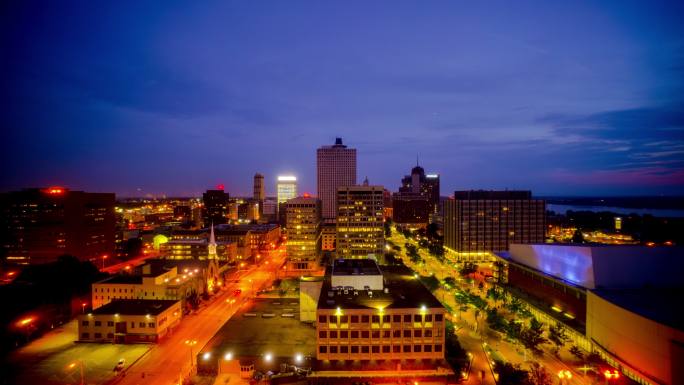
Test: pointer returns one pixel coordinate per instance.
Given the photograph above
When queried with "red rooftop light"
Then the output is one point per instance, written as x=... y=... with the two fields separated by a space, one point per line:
x=55 y=190
x=220 y=187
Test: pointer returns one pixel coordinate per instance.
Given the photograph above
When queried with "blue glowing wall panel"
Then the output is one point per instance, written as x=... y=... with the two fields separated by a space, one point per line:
x=570 y=263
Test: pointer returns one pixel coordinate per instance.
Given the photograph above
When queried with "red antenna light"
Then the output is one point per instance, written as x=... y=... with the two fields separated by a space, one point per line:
x=220 y=186
x=307 y=195
x=55 y=190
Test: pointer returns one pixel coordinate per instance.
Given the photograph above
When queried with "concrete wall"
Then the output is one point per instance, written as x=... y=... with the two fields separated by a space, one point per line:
x=309 y=292
x=638 y=342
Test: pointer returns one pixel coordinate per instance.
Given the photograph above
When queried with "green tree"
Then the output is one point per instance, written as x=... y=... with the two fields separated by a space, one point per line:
x=577 y=352
x=538 y=375
x=451 y=281
x=533 y=336
x=577 y=237
x=558 y=336
x=388 y=229
x=510 y=374
x=495 y=320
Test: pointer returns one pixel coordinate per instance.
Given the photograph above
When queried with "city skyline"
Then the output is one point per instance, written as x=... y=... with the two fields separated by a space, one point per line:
x=189 y=96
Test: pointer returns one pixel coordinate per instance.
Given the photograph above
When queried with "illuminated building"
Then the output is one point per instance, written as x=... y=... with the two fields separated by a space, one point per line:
x=286 y=188
x=328 y=236
x=197 y=249
x=420 y=183
x=130 y=321
x=250 y=238
x=387 y=202
x=215 y=206
x=39 y=225
x=360 y=222
x=619 y=301
x=368 y=314
x=303 y=234
x=335 y=167
x=488 y=221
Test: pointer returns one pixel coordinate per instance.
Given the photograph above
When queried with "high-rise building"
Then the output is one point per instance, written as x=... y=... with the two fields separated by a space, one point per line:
x=360 y=221
x=259 y=191
x=215 y=206
x=286 y=188
x=411 y=210
x=335 y=167
x=39 y=225
x=420 y=183
x=488 y=221
x=303 y=233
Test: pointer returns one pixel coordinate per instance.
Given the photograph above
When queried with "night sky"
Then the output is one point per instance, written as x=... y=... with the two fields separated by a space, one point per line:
x=560 y=97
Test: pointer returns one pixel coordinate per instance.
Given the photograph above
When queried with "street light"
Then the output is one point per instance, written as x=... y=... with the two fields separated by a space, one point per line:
x=611 y=375
x=299 y=358
x=73 y=365
x=103 y=260
x=564 y=377
x=191 y=343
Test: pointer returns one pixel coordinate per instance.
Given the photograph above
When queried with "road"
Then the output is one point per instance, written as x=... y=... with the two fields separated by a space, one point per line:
x=172 y=358
x=470 y=332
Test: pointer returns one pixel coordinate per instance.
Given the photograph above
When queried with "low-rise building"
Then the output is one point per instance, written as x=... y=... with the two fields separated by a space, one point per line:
x=129 y=320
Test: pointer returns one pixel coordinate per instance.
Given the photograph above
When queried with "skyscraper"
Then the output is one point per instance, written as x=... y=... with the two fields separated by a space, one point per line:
x=420 y=183
x=259 y=192
x=215 y=206
x=39 y=225
x=360 y=221
x=335 y=167
x=304 y=233
x=488 y=221
x=286 y=188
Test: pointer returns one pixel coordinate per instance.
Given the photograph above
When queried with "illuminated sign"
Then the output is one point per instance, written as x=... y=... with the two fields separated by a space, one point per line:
x=287 y=178
x=432 y=176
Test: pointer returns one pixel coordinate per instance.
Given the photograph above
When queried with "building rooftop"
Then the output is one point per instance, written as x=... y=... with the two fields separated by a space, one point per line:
x=657 y=304
x=491 y=194
x=136 y=306
x=355 y=267
x=264 y=325
x=124 y=279
x=401 y=291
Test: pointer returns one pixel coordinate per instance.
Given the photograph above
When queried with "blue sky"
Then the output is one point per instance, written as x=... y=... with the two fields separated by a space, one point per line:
x=566 y=98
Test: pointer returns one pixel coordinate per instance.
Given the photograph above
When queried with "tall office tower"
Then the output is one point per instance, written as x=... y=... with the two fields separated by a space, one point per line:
x=215 y=207
x=39 y=225
x=488 y=221
x=335 y=167
x=259 y=191
x=420 y=183
x=303 y=233
x=360 y=229
x=286 y=188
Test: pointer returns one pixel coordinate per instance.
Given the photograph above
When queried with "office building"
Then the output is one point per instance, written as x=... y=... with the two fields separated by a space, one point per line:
x=335 y=167
x=360 y=222
x=130 y=321
x=411 y=210
x=286 y=188
x=420 y=183
x=365 y=314
x=215 y=207
x=303 y=234
x=39 y=225
x=328 y=236
x=618 y=301
x=488 y=221
x=259 y=188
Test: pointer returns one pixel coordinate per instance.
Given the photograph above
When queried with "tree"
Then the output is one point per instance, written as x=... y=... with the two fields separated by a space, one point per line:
x=510 y=374
x=577 y=237
x=538 y=375
x=467 y=269
x=558 y=336
x=577 y=352
x=532 y=336
x=388 y=229
x=451 y=281
x=495 y=320
x=133 y=248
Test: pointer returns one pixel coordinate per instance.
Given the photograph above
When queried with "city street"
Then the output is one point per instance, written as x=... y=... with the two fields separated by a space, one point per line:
x=171 y=359
x=470 y=335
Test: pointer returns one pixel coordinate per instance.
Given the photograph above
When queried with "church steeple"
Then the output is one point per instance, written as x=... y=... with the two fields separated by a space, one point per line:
x=212 y=244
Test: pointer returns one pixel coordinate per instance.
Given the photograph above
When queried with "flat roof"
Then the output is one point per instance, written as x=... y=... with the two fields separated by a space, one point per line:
x=403 y=292
x=355 y=267
x=258 y=327
x=136 y=306
x=123 y=279
x=657 y=304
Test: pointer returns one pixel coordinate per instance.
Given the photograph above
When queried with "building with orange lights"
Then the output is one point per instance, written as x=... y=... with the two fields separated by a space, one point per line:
x=303 y=234
x=39 y=225
x=130 y=321
x=360 y=221
x=616 y=300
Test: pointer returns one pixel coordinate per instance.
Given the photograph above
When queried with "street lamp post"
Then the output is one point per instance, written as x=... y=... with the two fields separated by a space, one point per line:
x=103 y=261
x=191 y=343
x=79 y=363
x=83 y=305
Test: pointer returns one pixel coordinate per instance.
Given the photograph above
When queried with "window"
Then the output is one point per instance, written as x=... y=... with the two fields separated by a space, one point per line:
x=344 y=319
x=416 y=318
x=407 y=349
x=354 y=349
x=322 y=349
x=141 y=324
x=375 y=334
x=110 y=335
x=407 y=334
x=386 y=334
x=98 y=323
x=428 y=333
x=151 y=324
x=333 y=350
x=364 y=349
x=417 y=348
x=428 y=317
x=85 y=336
x=344 y=334
x=354 y=334
x=98 y=335
x=321 y=319
x=84 y=323
x=428 y=348
x=386 y=318
x=396 y=349
x=364 y=319
x=438 y=317
x=396 y=333
x=132 y=325
x=396 y=318
x=376 y=319
x=333 y=319
x=385 y=348
x=344 y=349
x=110 y=323
x=375 y=349
x=364 y=334
x=333 y=334
x=418 y=333
x=407 y=317
x=438 y=348
x=322 y=334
